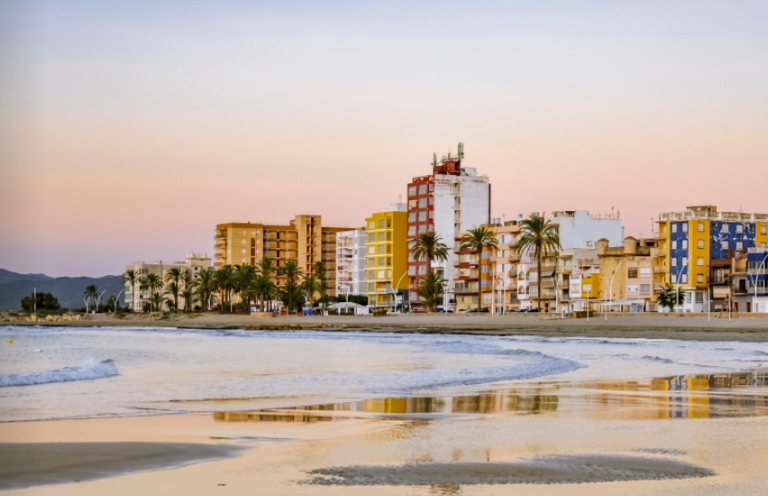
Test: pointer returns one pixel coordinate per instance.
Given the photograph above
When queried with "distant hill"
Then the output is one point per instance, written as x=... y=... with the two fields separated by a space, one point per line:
x=69 y=290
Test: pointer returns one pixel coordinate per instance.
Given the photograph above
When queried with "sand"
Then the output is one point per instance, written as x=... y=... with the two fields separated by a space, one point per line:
x=650 y=326
x=34 y=464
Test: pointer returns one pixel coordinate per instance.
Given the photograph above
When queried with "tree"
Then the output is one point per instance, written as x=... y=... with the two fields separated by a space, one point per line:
x=321 y=272
x=91 y=294
x=266 y=289
x=429 y=247
x=172 y=289
x=244 y=276
x=189 y=297
x=539 y=236
x=175 y=278
x=132 y=278
x=670 y=297
x=291 y=293
x=225 y=282
x=153 y=283
x=431 y=291
x=204 y=285
x=157 y=300
x=39 y=301
x=310 y=286
x=478 y=240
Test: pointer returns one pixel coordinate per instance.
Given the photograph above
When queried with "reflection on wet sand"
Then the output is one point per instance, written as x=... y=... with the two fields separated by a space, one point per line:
x=696 y=396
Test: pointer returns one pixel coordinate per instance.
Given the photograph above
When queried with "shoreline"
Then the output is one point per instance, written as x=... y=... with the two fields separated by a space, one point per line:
x=680 y=326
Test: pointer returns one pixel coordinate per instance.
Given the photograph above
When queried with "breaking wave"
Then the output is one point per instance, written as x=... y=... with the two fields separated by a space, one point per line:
x=88 y=370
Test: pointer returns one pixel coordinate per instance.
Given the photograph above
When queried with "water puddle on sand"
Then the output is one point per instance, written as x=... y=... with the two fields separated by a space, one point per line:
x=695 y=396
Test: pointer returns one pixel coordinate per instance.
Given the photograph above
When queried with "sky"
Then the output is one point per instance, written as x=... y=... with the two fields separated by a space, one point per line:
x=128 y=130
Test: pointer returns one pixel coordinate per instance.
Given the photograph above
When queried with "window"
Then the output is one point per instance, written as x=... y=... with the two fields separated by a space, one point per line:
x=389 y=236
x=381 y=248
x=423 y=203
x=422 y=229
x=700 y=278
x=412 y=270
x=700 y=261
x=431 y=201
x=685 y=244
x=701 y=227
x=381 y=224
x=412 y=204
x=685 y=227
x=389 y=222
x=423 y=189
x=371 y=237
x=632 y=290
x=739 y=245
x=700 y=244
x=411 y=190
x=370 y=262
x=412 y=217
x=411 y=230
x=632 y=273
x=422 y=216
x=684 y=279
x=432 y=214
x=699 y=297
x=389 y=260
x=674 y=262
x=685 y=261
x=762 y=229
x=381 y=236
x=739 y=229
x=723 y=245
x=381 y=260
x=674 y=245
x=645 y=272
x=371 y=250
x=674 y=227
x=371 y=287
x=645 y=289
x=372 y=225
x=371 y=274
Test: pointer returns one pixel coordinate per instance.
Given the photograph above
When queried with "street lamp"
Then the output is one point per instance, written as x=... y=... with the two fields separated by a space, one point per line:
x=394 y=295
x=677 y=282
x=754 y=281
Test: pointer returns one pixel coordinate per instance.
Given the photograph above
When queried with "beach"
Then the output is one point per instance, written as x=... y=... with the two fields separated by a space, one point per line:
x=151 y=410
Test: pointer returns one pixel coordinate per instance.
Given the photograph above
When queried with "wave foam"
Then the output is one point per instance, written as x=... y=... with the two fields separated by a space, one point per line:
x=88 y=370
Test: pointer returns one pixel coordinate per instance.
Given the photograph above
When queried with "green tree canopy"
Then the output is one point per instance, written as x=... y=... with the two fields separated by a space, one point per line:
x=41 y=300
x=539 y=236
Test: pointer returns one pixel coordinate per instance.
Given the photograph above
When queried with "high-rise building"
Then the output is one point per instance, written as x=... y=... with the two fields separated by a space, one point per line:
x=693 y=239
x=387 y=257
x=303 y=239
x=350 y=262
x=448 y=202
x=137 y=296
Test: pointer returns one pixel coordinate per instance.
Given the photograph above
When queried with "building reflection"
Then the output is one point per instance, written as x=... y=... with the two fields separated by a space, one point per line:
x=692 y=396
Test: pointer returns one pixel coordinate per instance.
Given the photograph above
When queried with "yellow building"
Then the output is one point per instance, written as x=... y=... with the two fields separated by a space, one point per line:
x=303 y=239
x=386 y=254
x=691 y=239
x=629 y=275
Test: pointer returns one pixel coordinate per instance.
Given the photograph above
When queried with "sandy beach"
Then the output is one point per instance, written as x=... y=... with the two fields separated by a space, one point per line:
x=746 y=327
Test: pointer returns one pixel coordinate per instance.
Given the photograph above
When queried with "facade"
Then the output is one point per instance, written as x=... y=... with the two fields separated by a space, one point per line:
x=578 y=230
x=303 y=239
x=629 y=275
x=387 y=257
x=507 y=286
x=692 y=239
x=136 y=297
x=350 y=262
x=448 y=202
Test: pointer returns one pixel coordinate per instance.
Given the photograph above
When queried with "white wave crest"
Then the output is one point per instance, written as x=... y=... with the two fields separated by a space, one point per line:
x=88 y=370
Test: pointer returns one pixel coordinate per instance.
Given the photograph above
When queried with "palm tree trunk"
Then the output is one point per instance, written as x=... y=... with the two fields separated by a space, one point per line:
x=538 y=279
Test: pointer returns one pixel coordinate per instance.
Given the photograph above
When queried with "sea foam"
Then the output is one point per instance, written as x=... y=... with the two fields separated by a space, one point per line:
x=88 y=370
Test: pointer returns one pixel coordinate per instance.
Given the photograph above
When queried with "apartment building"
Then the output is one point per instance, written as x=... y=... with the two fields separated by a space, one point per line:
x=387 y=257
x=136 y=297
x=351 y=262
x=692 y=239
x=508 y=282
x=303 y=239
x=448 y=202
x=578 y=230
x=630 y=275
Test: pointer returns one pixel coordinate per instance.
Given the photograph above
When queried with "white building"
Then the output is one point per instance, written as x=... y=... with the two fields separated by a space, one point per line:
x=449 y=201
x=194 y=263
x=350 y=262
x=580 y=229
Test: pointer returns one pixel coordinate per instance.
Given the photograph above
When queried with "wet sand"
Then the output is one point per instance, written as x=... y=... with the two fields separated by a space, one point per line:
x=650 y=326
x=35 y=464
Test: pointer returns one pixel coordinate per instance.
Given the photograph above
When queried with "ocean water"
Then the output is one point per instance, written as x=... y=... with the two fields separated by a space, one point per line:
x=55 y=373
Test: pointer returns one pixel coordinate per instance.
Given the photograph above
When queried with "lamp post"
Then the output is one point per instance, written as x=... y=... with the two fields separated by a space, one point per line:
x=394 y=295
x=677 y=282
x=610 y=287
x=117 y=299
x=754 y=281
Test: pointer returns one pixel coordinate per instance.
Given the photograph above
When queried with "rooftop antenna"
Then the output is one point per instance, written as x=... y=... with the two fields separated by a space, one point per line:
x=434 y=160
x=618 y=213
x=449 y=154
x=461 y=150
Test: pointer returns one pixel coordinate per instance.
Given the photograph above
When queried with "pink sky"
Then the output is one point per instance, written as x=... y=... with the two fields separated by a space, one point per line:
x=124 y=137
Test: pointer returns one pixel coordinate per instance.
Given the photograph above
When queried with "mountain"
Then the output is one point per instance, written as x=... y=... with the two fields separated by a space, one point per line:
x=68 y=290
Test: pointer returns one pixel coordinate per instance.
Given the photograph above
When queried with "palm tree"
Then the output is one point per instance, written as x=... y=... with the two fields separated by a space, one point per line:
x=310 y=286
x=225 y=282
x=478 y=240
x=430 y=247
x=292 y=274
x=131 y=278
x=153 y=283
x=172 y=289
x=175 y=277
x=204 y=285
x=431 y=291
x=266 y=288
x=323 y=287
x=189 y=297
x=244 y=276
x=670 y=297
x=91 y=293
x=539 y=236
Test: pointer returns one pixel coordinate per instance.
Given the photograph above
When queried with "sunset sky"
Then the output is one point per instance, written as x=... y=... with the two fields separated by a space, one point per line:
x=129 y=129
